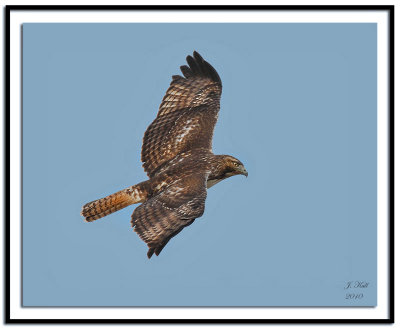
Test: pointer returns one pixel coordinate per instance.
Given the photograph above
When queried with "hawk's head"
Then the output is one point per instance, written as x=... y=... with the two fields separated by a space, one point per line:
x=234 y=167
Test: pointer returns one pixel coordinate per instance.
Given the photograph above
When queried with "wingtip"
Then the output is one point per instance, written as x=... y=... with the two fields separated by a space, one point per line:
x=187 y=73
x=198 y=66
x=150 y=253
x=197 y=56
x=176 y=77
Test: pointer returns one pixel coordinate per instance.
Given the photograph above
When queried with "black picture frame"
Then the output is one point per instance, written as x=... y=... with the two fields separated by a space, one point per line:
x=12 y=8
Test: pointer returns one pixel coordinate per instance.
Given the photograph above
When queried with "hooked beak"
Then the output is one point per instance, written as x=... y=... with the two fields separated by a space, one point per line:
x=244 y=172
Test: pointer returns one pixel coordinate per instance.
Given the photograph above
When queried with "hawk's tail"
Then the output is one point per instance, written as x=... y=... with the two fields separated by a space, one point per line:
x=114 y=202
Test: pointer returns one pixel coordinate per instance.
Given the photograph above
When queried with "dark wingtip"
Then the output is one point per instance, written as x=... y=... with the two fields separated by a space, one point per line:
x=197 y=66
x=176 y=77
x=187 y=73
x=161 y=246
x=197 y=56
x=150 y=253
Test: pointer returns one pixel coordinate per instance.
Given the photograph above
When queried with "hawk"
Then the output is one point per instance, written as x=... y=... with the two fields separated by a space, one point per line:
x=178 y=159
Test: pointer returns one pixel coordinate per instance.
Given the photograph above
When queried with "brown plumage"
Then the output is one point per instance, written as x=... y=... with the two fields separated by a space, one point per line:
x=177 y=156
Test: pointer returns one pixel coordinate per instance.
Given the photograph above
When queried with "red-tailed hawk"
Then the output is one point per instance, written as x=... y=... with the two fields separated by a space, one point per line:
x=177 y=156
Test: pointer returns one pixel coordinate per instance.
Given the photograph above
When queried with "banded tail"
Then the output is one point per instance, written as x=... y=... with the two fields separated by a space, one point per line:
x=114 y=202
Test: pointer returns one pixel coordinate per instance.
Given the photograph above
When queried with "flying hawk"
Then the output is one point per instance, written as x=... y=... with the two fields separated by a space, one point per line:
x=177 y=156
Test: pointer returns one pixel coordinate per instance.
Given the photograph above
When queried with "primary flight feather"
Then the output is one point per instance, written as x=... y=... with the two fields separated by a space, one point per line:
x=177 y=156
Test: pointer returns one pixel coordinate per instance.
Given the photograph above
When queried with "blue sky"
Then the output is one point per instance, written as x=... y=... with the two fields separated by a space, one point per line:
x=298 y=109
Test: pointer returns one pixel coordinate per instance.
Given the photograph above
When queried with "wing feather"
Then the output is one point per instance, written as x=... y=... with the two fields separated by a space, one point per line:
x=162 y=217
x=187 y=73
x=186 y=117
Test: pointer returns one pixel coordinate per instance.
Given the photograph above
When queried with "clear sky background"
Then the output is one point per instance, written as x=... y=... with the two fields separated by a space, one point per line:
x=298 y=109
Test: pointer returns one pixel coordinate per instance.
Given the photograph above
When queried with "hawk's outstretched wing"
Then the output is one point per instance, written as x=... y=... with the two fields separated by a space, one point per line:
x=187 y=115
x=162 y=217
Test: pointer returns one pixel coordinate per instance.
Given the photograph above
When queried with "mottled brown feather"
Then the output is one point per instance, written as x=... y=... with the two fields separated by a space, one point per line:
x=186 y=117
x=162 y=217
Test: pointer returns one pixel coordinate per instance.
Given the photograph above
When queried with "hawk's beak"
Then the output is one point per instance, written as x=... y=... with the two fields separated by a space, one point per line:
x=244 y=172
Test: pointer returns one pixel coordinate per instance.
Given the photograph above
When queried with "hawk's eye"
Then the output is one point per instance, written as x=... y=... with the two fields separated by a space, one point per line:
x=236 y=164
